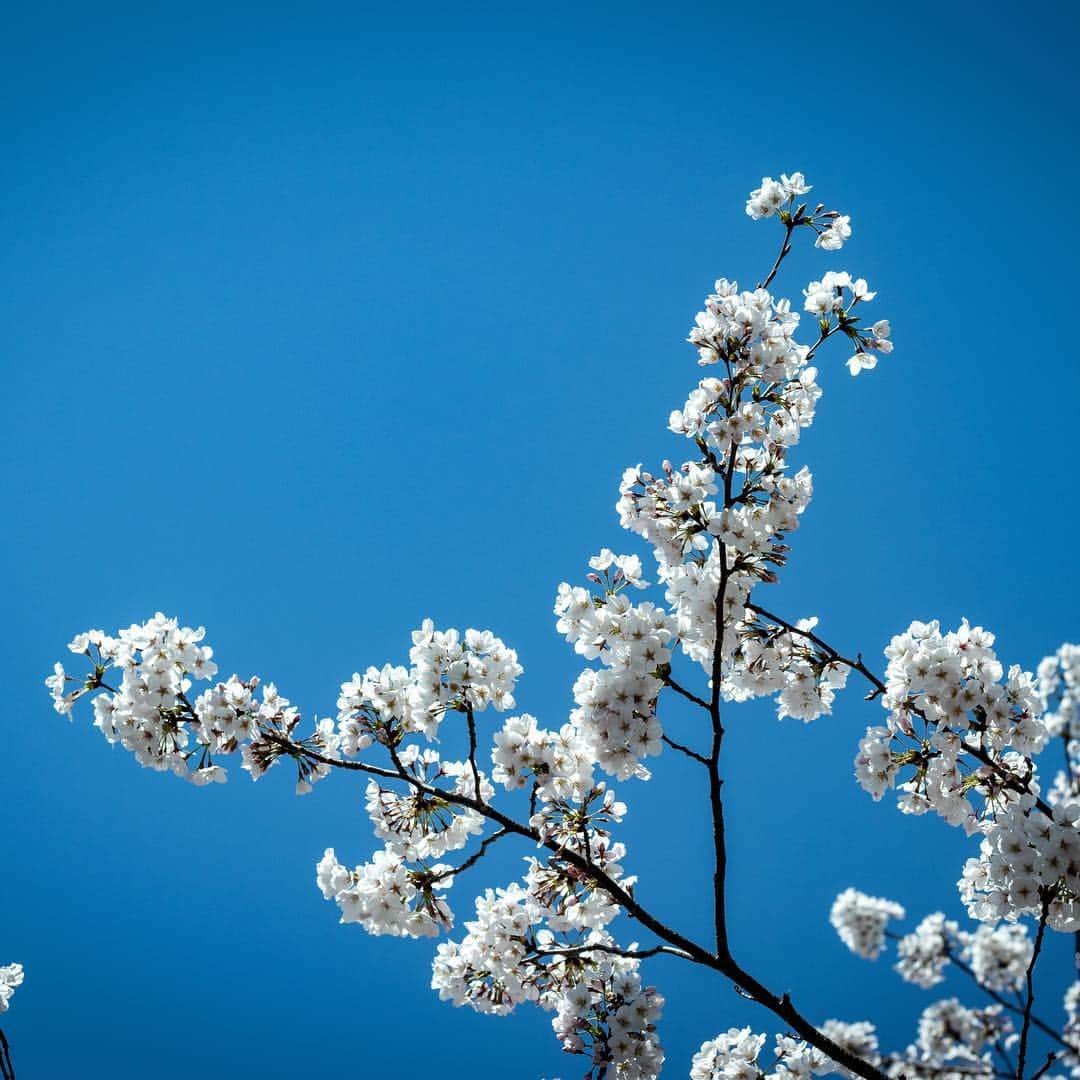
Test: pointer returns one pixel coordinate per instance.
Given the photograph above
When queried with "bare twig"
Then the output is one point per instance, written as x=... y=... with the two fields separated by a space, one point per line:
x=1004 y=1002
x=1050 y=1059
x=669 y=681
x=474 y=858
x=7 y=1070
x=724 y=963
x=472 y=747
x=785 y=250
x=1008 y=778
x=1021 y=1054
x=614 y=950
x=685 y=750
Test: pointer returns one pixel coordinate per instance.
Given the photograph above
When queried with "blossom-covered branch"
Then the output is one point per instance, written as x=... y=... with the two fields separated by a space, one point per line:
x=960 y=737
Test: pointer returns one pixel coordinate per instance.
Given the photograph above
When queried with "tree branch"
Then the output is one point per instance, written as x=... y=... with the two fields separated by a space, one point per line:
x=7 y=1070
x=683 y=946
x=1050 y=1059
x=614 y=950
x=1003 y=1001
x=1009 y=779
x=474 y=858
x=669 y=681
x=1021 y=1054
x=785 y=250
x=685 y=750
x=472 y=747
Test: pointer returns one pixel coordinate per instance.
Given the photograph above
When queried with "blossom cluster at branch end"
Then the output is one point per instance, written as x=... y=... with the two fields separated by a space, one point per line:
x=11 y=978
x=961 y=739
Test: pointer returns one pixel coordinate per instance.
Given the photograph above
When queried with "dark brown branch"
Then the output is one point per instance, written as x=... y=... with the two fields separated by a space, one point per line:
x=669 y=681
x=823 y=336
x=7 y=1070
x=685 y=750
x=724 y=964
x=1003 y=1001
x=824 y=646
x=1006 y=1060
x=1009 y=779
x=716 y=783
x=614 y=950
x=473 y=859
x=472 y=747
x=1050 y=1059
x=1021 y=1054
x=785 y=250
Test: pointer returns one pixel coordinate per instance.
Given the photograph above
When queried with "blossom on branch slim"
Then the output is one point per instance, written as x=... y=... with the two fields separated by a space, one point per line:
x=11 y=977
x=736 y=1054
x=1059 y=692
x=996 y=957
x=861 y=921
x=925 y=952
x=960 y=739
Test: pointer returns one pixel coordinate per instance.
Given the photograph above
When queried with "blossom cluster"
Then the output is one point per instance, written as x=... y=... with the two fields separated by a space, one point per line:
x=735 y=1054
x=960 y=739
x=487 y=969
x=778 y=197
x=559 y=764
x=417 y=825
x=11 y=977
x=996 y=957
x=861 y=921
x=602 y=1008
x=610 y=1017
x=836 y=295
x=951 y=1034
x=424 y=807
x=952 y=1040
x=386 y=896
x=1071 y=1032
x=1028 y=864
x=615 y=714
x=948 y=696
x=147 y=713
x=718 y=524
x=1058 y=682
x=457 y=672
x=787 y=663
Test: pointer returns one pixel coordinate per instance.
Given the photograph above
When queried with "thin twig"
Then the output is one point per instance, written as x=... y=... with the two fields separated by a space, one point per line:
x=473 y=859
x=1002 y=1053
x=472 y=747
x=833 y=655
x=614 y=950
x=785 y=250
x=1004 y=1002
x=725 y=964
x=1021 y=1054
x=7 y=1070
x=669 y=681
x=1009 y=779
x=685 y=750
x=1050 y=1059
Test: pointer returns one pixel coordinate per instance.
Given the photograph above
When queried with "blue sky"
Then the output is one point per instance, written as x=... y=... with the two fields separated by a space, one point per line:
x=318 y=320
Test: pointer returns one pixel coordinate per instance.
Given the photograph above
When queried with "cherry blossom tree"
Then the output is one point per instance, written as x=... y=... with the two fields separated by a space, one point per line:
x=957 y=735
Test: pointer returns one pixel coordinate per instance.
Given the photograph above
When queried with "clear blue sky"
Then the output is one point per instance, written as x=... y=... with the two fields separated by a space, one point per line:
x=316 y=320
